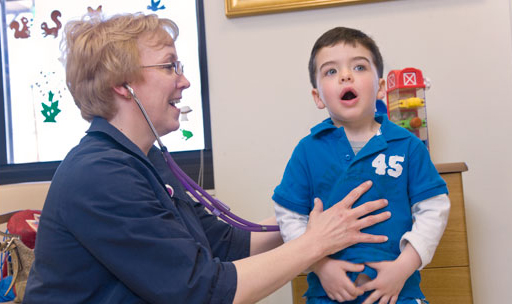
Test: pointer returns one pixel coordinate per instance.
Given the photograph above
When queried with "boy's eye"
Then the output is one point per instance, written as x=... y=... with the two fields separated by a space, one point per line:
x=359 y=67
x=330 y=72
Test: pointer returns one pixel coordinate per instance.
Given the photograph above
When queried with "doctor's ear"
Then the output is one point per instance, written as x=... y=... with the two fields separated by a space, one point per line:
x=123 y=91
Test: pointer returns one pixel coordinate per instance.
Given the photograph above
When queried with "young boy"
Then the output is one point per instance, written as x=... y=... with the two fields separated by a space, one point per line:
x=352 y=146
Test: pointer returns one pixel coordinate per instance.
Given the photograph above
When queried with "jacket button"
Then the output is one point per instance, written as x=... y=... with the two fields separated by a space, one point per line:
x=348 y=157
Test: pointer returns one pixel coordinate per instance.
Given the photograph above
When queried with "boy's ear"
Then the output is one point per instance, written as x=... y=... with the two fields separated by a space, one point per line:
x=316 y=97
x=122 y=91
x=381 y=93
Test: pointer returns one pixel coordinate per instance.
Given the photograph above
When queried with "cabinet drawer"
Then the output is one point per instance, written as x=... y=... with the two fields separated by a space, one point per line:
x=453 y=247
x=447 y=285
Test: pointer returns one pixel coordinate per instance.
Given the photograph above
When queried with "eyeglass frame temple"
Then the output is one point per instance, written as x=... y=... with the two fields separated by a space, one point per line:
x=169 y=63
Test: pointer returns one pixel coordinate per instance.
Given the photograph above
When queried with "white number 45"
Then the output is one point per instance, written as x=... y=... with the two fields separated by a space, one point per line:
x=394 y=170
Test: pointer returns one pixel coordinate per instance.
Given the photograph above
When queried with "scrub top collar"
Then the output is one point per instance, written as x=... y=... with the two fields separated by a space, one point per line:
x=153 y=159
x=101 y=125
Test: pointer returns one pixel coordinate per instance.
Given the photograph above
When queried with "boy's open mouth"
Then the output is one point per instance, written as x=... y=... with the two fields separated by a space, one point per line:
x=348 y=94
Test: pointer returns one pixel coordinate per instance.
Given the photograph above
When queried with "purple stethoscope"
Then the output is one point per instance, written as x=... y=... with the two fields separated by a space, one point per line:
x=215 y=206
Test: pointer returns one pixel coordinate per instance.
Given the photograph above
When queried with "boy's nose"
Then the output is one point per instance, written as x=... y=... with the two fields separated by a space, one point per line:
x=345 y=76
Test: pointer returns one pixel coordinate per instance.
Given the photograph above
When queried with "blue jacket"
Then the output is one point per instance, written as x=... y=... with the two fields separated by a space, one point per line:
x=111 y=233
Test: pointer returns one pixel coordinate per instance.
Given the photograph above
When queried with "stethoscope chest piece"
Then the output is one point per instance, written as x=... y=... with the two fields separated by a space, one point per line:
x=170 y=190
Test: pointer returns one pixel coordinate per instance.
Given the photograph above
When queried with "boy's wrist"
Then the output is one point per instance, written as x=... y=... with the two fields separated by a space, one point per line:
x=317 y=267
x=404 y=266
x=409 y=260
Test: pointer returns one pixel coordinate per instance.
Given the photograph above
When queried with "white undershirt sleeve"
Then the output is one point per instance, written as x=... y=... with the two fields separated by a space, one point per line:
x=291 y=224
x=429 y=217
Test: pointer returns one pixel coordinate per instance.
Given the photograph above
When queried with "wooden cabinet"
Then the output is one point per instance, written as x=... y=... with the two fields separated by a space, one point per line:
x=447 y=279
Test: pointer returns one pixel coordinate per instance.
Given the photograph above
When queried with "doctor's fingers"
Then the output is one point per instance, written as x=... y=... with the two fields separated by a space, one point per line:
x=370 y=220
x=369 y=238
x=353 y=196
x=368 y=207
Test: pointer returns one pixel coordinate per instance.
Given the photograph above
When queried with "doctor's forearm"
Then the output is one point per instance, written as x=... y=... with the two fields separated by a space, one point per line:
x=265 y=241
x=260 y=275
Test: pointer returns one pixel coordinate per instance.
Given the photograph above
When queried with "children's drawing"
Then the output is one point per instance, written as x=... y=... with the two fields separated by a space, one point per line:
x=52 y=110
x=54 y=30
x=155 y=6
x=22 y=33
x=186 y=134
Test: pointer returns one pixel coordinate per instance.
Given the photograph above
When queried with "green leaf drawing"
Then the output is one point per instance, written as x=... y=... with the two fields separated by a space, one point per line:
x=49 y=112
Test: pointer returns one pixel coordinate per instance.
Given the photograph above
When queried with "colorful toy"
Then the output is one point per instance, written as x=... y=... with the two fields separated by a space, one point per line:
x=406 y=101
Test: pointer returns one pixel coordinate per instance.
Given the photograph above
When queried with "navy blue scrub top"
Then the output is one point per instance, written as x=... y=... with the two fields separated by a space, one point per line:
x=110 y=233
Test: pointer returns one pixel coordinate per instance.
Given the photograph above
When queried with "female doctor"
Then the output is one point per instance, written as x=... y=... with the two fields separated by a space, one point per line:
x=111 y=233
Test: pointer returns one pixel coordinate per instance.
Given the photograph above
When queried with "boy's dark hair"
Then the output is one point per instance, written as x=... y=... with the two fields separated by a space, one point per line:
x=344 y=35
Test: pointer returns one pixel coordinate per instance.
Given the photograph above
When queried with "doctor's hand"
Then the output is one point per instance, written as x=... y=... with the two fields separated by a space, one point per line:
x=327 y=232
x=340 y=226
x=333 y=276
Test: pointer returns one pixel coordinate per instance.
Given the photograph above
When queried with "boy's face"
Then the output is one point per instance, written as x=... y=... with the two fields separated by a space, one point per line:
x=347 y=84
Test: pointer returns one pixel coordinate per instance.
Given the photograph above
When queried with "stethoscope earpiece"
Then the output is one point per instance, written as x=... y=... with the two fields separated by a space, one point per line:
x=130 y=90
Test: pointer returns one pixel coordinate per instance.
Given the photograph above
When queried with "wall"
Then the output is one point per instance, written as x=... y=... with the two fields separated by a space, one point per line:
x=22 y=196
x=261 y=105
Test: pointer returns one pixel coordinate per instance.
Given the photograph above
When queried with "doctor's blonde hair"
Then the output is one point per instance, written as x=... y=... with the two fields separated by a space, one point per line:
x=100 y=54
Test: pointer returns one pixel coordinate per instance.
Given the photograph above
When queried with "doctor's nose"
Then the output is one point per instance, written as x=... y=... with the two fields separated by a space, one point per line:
x=183 y=82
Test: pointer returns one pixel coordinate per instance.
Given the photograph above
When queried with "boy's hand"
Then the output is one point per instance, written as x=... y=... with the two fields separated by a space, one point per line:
x=391 y=276
x=387 y=285
x=333 y=276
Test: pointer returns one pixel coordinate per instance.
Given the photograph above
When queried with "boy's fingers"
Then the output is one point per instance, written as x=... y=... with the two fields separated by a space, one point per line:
x=351 y=267
x=353 y=292
x=374 y=296
x=349 y=295
x=374 y=265
x=367 y=286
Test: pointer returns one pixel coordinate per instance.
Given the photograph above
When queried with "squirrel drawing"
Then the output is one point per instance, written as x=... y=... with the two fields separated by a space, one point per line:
x=24 y=32
x=54 y=30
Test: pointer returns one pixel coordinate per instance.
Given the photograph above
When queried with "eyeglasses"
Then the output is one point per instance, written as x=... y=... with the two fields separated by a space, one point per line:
x=177 y=66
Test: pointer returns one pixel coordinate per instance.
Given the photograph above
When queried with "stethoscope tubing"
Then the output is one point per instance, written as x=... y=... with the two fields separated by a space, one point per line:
x=215 y=206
